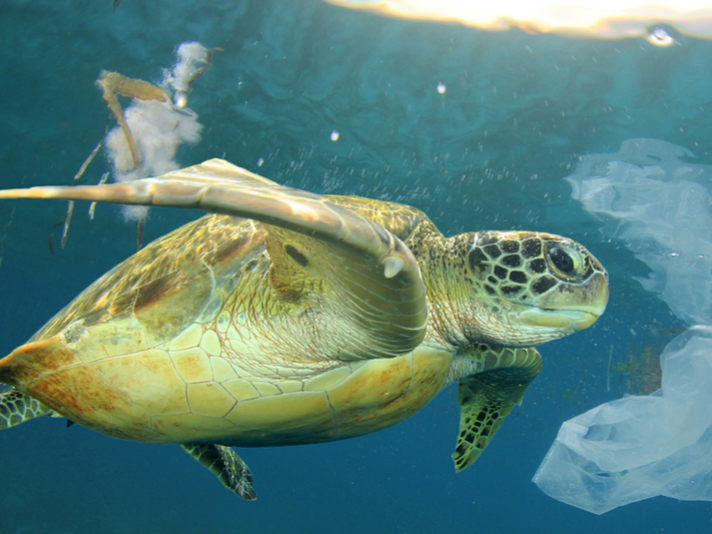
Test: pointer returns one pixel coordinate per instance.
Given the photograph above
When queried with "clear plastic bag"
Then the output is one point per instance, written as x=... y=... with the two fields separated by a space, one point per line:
x=636 y=448
x=640 y=447
x=659 y=204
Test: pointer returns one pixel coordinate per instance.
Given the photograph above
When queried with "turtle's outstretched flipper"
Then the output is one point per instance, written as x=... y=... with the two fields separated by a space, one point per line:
x=16 y=408
x=487 y=398
x=311 y=239
x=225 y=464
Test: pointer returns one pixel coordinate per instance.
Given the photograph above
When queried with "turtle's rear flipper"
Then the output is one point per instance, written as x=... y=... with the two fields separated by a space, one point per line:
x=16 y=408
x=225 y=464
x=487 y=398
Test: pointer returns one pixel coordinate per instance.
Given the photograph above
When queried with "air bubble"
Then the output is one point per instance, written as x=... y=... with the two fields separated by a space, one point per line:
x=660 y=37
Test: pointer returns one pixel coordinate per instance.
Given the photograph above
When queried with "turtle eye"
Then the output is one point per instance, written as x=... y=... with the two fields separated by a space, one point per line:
x=564 y=261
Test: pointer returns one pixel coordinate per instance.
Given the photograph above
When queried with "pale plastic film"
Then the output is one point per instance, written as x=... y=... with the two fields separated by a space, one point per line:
x=639 y=447
x=636 y=448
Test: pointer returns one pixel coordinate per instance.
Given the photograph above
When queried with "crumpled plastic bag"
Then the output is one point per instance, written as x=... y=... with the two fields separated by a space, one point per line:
x=640 y=447
x=636 y=448
x=659 y=203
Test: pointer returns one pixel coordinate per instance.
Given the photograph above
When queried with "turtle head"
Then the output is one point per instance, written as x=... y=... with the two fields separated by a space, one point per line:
x=527 y=288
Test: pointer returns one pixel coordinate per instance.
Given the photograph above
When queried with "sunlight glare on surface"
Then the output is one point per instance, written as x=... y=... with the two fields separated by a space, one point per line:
x=603 y=19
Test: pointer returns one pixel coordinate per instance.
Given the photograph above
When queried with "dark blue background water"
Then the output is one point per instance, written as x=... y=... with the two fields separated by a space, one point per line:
x=490 y=153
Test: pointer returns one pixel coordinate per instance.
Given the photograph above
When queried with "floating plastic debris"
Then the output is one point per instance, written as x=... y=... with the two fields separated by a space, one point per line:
x=639 y=447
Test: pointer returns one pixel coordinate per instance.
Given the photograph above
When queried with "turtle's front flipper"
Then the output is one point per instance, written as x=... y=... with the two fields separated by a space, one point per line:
x=225 y=464
x=487 y=398
x=16 y=408
x=375 y=277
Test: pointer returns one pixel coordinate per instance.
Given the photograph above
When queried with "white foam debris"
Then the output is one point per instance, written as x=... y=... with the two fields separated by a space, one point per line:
x=158 y=128
x=192 y=57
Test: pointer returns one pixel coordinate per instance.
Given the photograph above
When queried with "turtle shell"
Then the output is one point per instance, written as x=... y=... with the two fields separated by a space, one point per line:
x=236 y=332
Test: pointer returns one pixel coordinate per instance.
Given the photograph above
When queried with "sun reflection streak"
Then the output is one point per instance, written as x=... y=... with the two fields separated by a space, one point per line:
x=602 y=19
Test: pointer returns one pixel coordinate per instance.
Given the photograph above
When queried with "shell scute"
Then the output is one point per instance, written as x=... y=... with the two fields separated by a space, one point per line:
x=291 y=386
x=222 y=370
x=149 y=379
x=209 y=399
x=265 y=389
x=280 y=414
x=370 y=387
x=328 y=380
x=241 y=389
x=428 y=378
x=210 y=343
x=29 y=363
x=188 y=339
x=384 y=392
x=191 y=428
x=193 y=365
x=89 y=398
x=108 y=340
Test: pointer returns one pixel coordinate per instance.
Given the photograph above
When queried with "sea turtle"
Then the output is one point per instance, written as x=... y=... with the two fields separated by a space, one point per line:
x=285 y=317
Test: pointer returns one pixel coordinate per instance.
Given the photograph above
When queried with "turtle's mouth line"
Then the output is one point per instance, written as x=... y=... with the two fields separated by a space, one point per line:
x=567 y=321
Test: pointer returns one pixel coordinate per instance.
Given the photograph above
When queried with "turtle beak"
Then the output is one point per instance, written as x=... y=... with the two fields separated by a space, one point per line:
x=573 y=309
x=564 y=321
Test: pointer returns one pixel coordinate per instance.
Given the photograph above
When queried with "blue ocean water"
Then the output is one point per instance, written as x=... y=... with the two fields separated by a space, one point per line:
x=492 y=152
